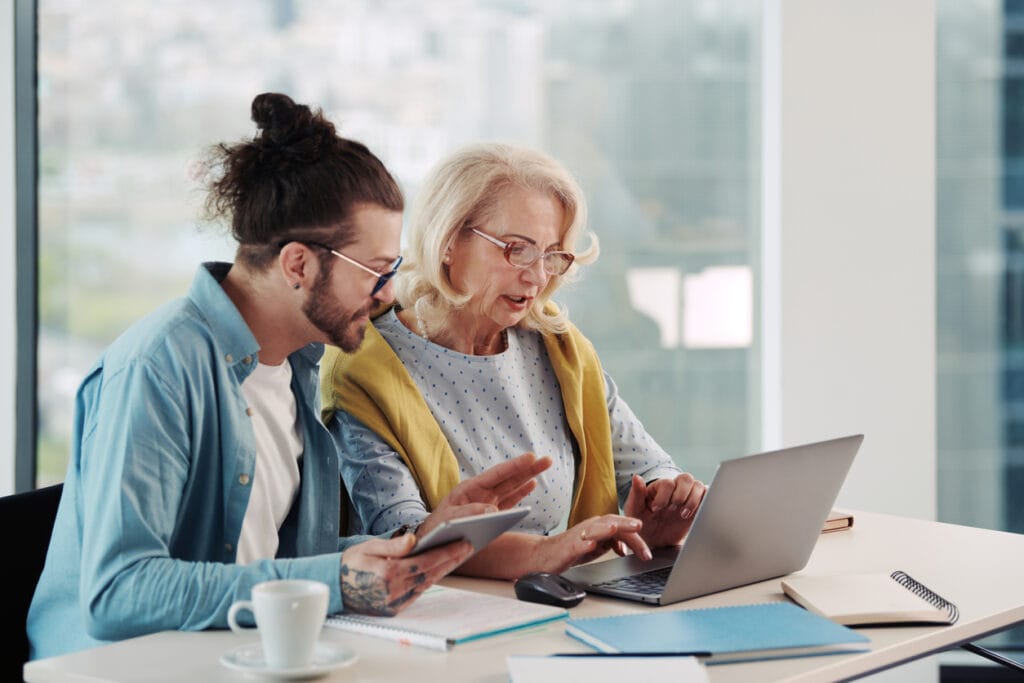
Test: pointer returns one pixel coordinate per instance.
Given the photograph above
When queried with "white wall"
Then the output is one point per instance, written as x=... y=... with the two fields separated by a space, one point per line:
x=7 y=256
x=850 y=204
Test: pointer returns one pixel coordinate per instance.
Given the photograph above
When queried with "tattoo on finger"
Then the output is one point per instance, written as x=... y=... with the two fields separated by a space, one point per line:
x=400 y=601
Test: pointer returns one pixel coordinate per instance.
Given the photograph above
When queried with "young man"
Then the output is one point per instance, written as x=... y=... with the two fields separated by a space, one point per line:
x=199 y=464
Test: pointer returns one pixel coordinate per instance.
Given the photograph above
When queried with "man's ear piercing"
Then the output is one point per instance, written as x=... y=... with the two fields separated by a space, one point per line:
x=297 y=285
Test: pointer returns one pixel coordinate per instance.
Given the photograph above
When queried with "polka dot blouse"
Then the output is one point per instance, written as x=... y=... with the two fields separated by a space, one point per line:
x=491 y=408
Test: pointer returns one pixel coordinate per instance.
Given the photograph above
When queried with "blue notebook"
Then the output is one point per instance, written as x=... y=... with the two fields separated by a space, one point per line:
x=720 y=634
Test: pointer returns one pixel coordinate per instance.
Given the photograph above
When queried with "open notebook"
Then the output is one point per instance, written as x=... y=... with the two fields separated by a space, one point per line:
x=443 y=617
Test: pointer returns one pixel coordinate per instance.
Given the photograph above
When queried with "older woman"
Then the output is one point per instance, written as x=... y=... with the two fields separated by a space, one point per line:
x=475 y=364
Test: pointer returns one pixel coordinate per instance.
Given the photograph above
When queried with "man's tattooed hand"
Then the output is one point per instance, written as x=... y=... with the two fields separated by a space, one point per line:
x=377 y=578
x=367 y=593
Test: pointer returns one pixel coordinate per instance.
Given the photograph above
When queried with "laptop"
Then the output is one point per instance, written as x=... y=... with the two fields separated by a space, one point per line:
x=760 y=518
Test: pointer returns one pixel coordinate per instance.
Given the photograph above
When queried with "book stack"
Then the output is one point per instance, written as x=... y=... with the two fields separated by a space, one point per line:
x=837 y=520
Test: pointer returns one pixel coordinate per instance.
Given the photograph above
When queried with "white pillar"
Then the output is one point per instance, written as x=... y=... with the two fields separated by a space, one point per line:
x=849 y=258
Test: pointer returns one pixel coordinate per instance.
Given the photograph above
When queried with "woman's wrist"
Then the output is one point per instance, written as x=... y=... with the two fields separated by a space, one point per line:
x=549 y=551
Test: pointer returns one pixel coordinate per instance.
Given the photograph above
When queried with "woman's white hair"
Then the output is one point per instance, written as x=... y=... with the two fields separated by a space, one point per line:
x=461 y=193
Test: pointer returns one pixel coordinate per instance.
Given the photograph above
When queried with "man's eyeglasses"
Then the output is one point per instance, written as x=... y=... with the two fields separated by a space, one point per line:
x=382 y=278
x=524 y=255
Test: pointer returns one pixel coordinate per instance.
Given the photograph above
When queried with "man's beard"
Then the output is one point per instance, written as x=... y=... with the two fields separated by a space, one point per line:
x=330 y=318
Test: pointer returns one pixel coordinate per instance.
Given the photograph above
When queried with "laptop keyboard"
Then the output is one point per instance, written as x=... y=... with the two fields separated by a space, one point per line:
x=649 y=583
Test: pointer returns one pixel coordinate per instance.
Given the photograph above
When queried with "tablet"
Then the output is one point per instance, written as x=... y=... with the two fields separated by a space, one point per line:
x=477 y=529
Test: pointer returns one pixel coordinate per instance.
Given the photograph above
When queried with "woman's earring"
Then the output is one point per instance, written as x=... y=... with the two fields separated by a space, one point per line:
x=297 y=285
x=447 y=257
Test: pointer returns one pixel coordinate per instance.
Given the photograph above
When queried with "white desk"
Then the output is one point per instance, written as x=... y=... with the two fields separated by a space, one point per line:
x=977 y=569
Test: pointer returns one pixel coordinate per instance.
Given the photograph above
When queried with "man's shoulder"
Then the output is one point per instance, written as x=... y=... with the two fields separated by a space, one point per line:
x=174 y=331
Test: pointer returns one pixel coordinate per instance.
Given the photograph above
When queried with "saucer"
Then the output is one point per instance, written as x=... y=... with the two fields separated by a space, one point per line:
x=326 y=658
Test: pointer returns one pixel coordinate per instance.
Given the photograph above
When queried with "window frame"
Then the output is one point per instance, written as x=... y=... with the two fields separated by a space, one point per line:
x=26 y=243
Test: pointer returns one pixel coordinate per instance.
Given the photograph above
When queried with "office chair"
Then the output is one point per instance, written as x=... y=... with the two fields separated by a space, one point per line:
x=27 y=521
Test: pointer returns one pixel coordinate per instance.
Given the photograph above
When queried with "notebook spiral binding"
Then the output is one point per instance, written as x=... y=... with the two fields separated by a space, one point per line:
x=922 y=591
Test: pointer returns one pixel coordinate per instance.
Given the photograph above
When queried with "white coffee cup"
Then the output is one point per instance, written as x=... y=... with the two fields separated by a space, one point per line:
x=289 y=615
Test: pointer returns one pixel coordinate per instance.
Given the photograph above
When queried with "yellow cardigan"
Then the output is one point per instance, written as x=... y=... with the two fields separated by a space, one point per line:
x=373 y=386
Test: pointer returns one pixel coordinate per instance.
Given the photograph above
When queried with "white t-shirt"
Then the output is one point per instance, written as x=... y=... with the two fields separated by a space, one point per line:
x=278 y=449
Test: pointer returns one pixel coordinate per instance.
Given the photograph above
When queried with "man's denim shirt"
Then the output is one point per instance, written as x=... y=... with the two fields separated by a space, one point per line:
x=162 y=463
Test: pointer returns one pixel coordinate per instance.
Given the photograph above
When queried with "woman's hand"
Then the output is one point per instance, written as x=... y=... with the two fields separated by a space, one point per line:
x=590 y=539
x=665 y=506
x=496 y=488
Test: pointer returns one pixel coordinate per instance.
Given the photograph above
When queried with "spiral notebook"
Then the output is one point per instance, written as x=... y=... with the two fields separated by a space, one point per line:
x=875 y=598
x=443 y=617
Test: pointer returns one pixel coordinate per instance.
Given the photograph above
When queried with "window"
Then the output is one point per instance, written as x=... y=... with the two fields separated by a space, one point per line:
x=653 y=104
x=980 y=268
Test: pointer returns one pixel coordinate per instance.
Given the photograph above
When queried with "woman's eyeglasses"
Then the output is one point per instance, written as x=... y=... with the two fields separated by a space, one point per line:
x=524 y=255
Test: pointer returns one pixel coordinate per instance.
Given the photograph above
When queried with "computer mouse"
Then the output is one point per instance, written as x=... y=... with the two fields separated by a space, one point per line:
x=549 y=589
